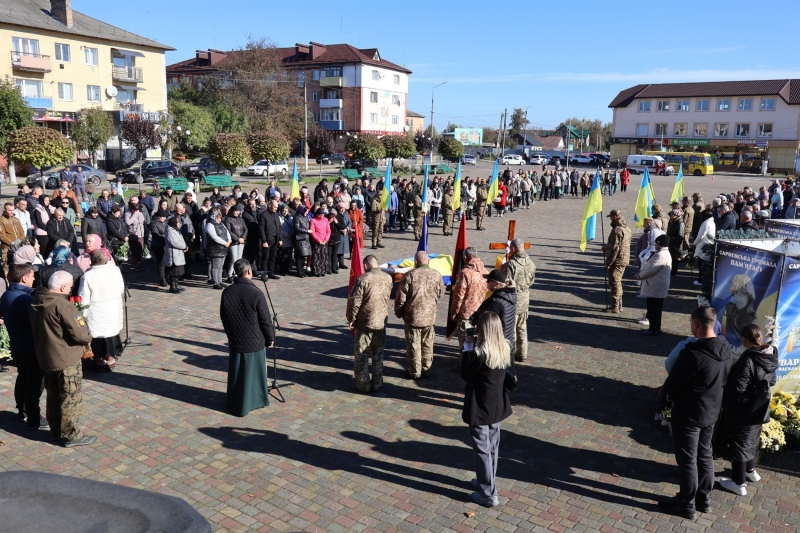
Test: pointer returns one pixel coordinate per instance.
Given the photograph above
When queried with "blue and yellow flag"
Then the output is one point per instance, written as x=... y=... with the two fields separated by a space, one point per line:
x=594 y=206
x=645 y=200
x=295 y=182
x=386 y=193
x=425 y=191
x=677 y=191
x=494 y=186
x=457 y=188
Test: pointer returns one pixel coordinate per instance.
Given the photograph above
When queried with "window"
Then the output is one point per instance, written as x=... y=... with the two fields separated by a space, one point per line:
x=62 y=52
x=765 y=130
x=701 y=130
x=702 y=105
x=745 y=104
x=376 y=75
x=373 y=118
x=394 y=120
x=25 y=46
x=682 y=105
x=743 y=130
x=30 y=88
x=373 y=97
x=93 y=93
x=331 y=72
x=331 y=115
x=641 y=130
x=65 y=91
x=301 y=78
x=395 y=99
x=396 y=79
x=724 y=105
x=125 y=96
x=680 y=129
x=663 y=105
x=644 y=107
x=91 y=56
x=720 y=130
x=315 y=96
x=767 y=104
x=661 y=130
x=332 y=94
x=316 y=74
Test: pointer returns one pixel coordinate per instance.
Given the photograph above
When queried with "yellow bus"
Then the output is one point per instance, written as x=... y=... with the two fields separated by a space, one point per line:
x=694 y=163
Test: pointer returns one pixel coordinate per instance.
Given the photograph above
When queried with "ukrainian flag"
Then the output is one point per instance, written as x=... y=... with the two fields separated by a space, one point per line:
x=457 y=188
x=494 y=186
x=425 y=191
x=594 y=206
x=386 y=193
x=645 y=200
x=677 y=191
x=295 y=182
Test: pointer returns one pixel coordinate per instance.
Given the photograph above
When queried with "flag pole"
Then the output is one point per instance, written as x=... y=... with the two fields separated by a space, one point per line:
x=605 y=268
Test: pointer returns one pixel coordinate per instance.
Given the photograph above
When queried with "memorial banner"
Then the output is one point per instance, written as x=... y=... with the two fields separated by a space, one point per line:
x=783 y=229
x=788 y=322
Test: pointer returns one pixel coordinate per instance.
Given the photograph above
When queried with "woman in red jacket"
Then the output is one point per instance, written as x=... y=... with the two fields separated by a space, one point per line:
x=500 y=201
x=625 y=177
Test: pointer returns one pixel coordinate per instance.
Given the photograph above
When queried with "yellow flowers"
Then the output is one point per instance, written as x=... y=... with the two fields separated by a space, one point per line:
x=772 y=436
x=784 y=420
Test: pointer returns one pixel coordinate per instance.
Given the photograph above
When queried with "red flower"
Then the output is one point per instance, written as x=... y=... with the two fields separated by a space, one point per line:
x=75 y=299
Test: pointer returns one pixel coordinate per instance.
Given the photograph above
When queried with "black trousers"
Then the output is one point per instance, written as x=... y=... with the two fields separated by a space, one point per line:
x=623 y=187
x=29 y=386
x=654 y=309
x=695 y=464
x=252 y=251
x=158 y=252
x=738 y=469
x=268 y=256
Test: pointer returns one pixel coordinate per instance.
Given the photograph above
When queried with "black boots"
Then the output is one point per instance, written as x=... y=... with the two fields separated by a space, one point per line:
x=340 y=257
x=163 y=283
x=173 y=286
x=301 y=271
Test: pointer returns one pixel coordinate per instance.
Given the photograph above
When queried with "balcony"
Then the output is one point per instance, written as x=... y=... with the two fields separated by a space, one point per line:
x=38 y=102
x=331 y=103
x=332 y=125
x=30 y=62
x=127 y=74
x=330 y=81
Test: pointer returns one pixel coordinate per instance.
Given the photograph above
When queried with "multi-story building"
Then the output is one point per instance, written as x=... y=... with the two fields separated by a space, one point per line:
x=415 y=121
x=63 y=61
x=348 y=89
x=734 y=120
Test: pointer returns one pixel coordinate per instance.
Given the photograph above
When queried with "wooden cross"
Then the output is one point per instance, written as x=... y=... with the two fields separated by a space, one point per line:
x=512 y=225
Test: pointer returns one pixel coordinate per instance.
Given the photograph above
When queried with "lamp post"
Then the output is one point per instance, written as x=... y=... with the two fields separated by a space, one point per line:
x=432 y=91
x=525 y=131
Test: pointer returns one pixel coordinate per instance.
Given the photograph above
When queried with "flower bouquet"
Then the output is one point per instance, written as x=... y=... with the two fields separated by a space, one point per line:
x=123 y=252
x=772 y=436
x=77 y=301
x=5 y=344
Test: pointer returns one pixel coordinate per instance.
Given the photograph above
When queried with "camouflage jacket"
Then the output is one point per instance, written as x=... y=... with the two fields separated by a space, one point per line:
x=368 y=304
x=469 y=290
x=417 y=296
x=522 y=270
x=417 y=204
x=376 y=204
x=481 y=195
x=447 y=203
x=618 y=249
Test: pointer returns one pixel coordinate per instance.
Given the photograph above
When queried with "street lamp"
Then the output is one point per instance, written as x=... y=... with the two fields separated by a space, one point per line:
x=432 y=91
x=525 y=130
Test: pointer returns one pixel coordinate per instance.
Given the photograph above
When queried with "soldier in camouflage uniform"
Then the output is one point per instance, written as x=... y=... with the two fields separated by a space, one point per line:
x=418 y=215
x=447 y=212
x=367 y=312
x=521 y=269
x=618 y=255
x=415 y=303
x=378 y=220
x=481 y=196
x=61 y=333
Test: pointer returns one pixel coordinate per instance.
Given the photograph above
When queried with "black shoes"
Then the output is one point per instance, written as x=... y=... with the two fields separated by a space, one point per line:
x=674 y=508
x=86 y=439
x=218 y=287
x=163 y=283
x=648 y=333
x=41 y=425
x=272 y=276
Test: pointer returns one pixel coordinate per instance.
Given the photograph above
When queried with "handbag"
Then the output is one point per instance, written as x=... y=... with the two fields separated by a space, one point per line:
x=510 y=381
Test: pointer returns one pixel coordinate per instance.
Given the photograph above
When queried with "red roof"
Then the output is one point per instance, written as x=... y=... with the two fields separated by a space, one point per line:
x=788 y=90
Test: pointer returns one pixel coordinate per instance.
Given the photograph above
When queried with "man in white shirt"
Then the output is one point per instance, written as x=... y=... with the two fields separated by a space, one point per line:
x=20 y=211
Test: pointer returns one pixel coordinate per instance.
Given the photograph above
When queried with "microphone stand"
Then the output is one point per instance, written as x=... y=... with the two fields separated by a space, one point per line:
x=276 y=326
x=128 y=341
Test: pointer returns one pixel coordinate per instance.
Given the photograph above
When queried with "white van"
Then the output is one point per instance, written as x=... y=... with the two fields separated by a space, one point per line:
x=637 y=163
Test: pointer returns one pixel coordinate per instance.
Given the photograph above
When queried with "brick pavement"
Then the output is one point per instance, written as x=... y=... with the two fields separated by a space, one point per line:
x=580 y=453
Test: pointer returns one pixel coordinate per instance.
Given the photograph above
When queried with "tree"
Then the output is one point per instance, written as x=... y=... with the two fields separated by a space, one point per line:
x=268 y=145
x=321 y=142
x=229 y=150
x=92 y=130
x=365 y=146
x=398 y=147
x=211 y=97
x=519 y=122
x=40 y=147
x=14 y=114
x=451 y=148
x=140 y=133
x=489 y=135
x=424 y=142
x=199 y=121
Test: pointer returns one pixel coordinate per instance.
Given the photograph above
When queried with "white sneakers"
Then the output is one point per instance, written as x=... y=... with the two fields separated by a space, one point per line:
x=695 y=282
x=643 y=321
x=752 y=476
x=730 y=485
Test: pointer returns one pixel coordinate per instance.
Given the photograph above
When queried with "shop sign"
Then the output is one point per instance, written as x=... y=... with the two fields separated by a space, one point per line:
x=629 y=140
x=752 y=143
x=659 y=142
x=54 y=116
x=691 y=142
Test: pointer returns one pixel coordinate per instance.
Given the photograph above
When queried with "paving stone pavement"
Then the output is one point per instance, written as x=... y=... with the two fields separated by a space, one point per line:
x=580 y=452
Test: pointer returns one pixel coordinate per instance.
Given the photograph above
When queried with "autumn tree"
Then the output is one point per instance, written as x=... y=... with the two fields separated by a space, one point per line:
x=365 y=146
x=451 y=149
x=268 y=145
x=141 y=134
x=321 y=142
x=39 y=147
x=398 y=146
x=230 y=150
x=92 y=130
x=14 y=114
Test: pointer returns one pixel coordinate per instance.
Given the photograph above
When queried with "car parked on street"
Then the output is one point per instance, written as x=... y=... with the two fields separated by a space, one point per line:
x=558 y=159
x=580 y=159
x=360 y=164
x=538 y=159
x=265 y=168
x=203 y=166
x=331 y=159
x=469 y=160
x=52 y=177
x=514 y=159
x=148 y=170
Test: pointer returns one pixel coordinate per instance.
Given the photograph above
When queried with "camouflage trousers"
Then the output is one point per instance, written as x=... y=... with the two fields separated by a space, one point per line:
x=419 y=349
x=418 y=224
x=462 y=326
x=379 y=220
x=481 y=212
x=615 y=283
x=369 y=343
x=522 y=336
x=64 y=402
x=447 y=226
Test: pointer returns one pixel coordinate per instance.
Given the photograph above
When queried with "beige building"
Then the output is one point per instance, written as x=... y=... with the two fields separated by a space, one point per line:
x=63 y=61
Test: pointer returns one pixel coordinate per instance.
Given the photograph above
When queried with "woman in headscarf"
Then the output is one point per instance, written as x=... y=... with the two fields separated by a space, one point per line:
x=61 y=260
x=102 y=289
x=320 y=235
x=302 y=240
x=345 y=225
x=174 y=251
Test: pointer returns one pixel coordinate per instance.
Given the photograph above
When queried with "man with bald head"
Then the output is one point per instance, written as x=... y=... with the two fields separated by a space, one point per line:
x=415 y=303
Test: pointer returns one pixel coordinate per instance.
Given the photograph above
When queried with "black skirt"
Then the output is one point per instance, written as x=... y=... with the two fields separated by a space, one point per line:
x=104 y=346
x=177 y=271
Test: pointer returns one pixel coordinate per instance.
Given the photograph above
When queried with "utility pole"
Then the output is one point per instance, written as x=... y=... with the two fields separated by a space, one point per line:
x=432 y=128
x=499 y=133
x=505 y=124
x=305 y=120
x=525 y=131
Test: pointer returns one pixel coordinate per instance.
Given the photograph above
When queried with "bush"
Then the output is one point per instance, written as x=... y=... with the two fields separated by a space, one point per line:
x=365 y=146
x=229 y=150
x=451 y=149
x=268 y=145
x=34 y=145
x=398 y=147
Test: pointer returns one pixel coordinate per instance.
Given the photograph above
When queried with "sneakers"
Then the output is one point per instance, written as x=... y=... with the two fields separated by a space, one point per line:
x=730 y=485
x=643 y=321
x=474 y=484
x=86 y=439
x=695 y=282
x=752 y=476
x=41 y=425
x=478 y=498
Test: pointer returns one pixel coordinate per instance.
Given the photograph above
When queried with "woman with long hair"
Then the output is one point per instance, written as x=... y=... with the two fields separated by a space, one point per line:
x=486 y=401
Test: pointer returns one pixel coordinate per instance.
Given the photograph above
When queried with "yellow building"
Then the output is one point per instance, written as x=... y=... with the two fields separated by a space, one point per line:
x=64 y=61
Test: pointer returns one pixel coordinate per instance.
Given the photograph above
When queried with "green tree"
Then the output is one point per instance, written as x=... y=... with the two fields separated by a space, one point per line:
x=40 y=147
x=211 y=97
x=365 y=146
x=321 y=142
x=198 y=120
x=518 y=121
x=398 y=147
x=230 y=150
x=140 y=133
x=268 y=145
x=14 y=114
x=489 y=135
x=451 y=149
x=92 y=130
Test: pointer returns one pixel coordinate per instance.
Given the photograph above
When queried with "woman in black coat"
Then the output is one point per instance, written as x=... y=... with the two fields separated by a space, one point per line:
x=486 y=401
x=58 y=228
x=302 y=240
x=746 y=407
x=117 y=230
x=337 y=229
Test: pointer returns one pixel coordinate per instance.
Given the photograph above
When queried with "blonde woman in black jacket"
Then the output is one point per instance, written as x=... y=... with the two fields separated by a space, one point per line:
x=486 y=402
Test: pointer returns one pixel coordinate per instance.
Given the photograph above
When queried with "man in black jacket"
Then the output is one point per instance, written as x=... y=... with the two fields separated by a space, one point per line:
x=269 y=224
x=502 y=302
x=248 y=324
x=695 y=387
x=252 y=245
x=727 y=218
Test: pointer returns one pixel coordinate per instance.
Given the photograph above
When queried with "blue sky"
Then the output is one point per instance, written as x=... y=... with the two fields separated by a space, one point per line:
x=561 y=59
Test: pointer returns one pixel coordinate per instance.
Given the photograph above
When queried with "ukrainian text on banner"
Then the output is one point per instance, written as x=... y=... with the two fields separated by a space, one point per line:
x=781 y=229
x=746 y=283
x=788 y=322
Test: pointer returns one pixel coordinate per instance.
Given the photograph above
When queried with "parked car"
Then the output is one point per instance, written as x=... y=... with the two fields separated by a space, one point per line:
x=469 y=160
x=360 y=164
x=149 y=170
x=203 y=166
x=331 y=159
x=580 y=159
x=514 y=159
x=558 y=159
x=265 y=167
x=538 y=159
x=52 y=177
x=599 y=160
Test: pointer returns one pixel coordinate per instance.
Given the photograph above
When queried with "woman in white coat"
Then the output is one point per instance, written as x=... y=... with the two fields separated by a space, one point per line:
x=102 y=289
x=655 y=278
x=705 y=235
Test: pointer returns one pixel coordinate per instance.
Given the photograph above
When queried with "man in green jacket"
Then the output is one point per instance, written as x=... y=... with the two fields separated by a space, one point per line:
x=522 y=270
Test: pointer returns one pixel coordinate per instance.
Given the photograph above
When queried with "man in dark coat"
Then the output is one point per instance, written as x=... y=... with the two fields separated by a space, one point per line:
x=269 y=224
x=252 y=245
x=248 y=324
x=502 y=302
x=695 y=386
x=727 y=218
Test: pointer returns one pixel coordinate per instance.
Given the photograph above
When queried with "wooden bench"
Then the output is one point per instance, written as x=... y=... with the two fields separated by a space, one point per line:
x=350 y=173
x=177 y=184
x=443 y=169
x=219 y=180
x=372 y=171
